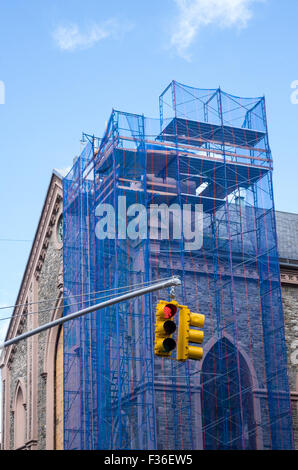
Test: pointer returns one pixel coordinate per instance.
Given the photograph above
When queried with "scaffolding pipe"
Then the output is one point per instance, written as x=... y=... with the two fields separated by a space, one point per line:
x=174 y=281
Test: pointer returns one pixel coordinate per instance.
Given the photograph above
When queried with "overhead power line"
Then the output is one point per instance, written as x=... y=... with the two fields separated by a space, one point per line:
x=81 y=301
x=54 y=299
x=174 y=281
x=14 y=240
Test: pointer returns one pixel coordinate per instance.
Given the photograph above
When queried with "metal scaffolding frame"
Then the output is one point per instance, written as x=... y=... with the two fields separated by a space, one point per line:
x=208 y=148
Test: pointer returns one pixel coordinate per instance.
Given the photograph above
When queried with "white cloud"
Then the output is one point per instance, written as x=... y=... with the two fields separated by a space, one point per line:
x=70 y=37
x=195 y=14
x=2 y=92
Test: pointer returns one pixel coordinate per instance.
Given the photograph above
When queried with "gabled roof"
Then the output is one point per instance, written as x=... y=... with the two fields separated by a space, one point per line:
x=53 y=197
x=287 y=235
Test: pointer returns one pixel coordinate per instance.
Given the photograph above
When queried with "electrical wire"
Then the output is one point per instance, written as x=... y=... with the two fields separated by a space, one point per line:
x=14 y=240
x=81 y=301
x=54 y=299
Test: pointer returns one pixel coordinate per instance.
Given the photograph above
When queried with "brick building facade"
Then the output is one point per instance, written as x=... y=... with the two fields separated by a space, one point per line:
x=32 y=408
x=28 y=368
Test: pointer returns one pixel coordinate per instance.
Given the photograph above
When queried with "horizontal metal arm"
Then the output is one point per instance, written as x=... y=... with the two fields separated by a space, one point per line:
x=174 y=281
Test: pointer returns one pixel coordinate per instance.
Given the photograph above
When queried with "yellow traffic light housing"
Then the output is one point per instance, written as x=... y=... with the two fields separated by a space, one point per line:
x=165 y=327
x=187 y=335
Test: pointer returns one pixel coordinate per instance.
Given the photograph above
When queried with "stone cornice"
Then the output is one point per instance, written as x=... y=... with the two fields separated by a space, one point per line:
x=43 y=241
x=289 y=276
x=50 y=210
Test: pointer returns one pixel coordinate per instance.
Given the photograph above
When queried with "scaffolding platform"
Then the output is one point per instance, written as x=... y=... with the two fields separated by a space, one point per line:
x=199 y=133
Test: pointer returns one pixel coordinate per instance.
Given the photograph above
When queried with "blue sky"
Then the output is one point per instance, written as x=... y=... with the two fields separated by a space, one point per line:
x=66 y=63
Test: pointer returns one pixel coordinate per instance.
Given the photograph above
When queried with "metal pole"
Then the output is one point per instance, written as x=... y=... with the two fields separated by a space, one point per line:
x=174 y=281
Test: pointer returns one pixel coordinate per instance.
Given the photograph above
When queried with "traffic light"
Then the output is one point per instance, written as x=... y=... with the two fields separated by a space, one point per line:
x=165 y=327
x=188 y=335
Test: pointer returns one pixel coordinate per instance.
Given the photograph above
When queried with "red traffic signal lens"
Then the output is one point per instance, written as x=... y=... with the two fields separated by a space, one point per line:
x=169 y=310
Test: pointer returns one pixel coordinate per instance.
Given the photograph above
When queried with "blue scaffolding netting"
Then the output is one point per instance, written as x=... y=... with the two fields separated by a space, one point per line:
x=208 y=149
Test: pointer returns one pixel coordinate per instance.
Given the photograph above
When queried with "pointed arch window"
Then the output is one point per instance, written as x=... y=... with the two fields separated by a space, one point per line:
x=227 y=399
x=59 y=392
x=19 y=417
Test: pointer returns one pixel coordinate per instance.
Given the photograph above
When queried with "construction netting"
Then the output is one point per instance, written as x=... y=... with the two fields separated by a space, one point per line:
x=187 y=194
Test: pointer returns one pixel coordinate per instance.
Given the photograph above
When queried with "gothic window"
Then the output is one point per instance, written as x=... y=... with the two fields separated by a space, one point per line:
x=60 y=229
x=59 y=392
x=19 y=419
x=227 y=400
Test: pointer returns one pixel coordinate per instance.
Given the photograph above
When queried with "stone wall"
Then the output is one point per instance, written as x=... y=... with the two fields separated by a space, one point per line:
x=21 y=363
x=47 y=292
x=249 y=338
x=199 y=301
x=18 y=372
x=290 y=305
